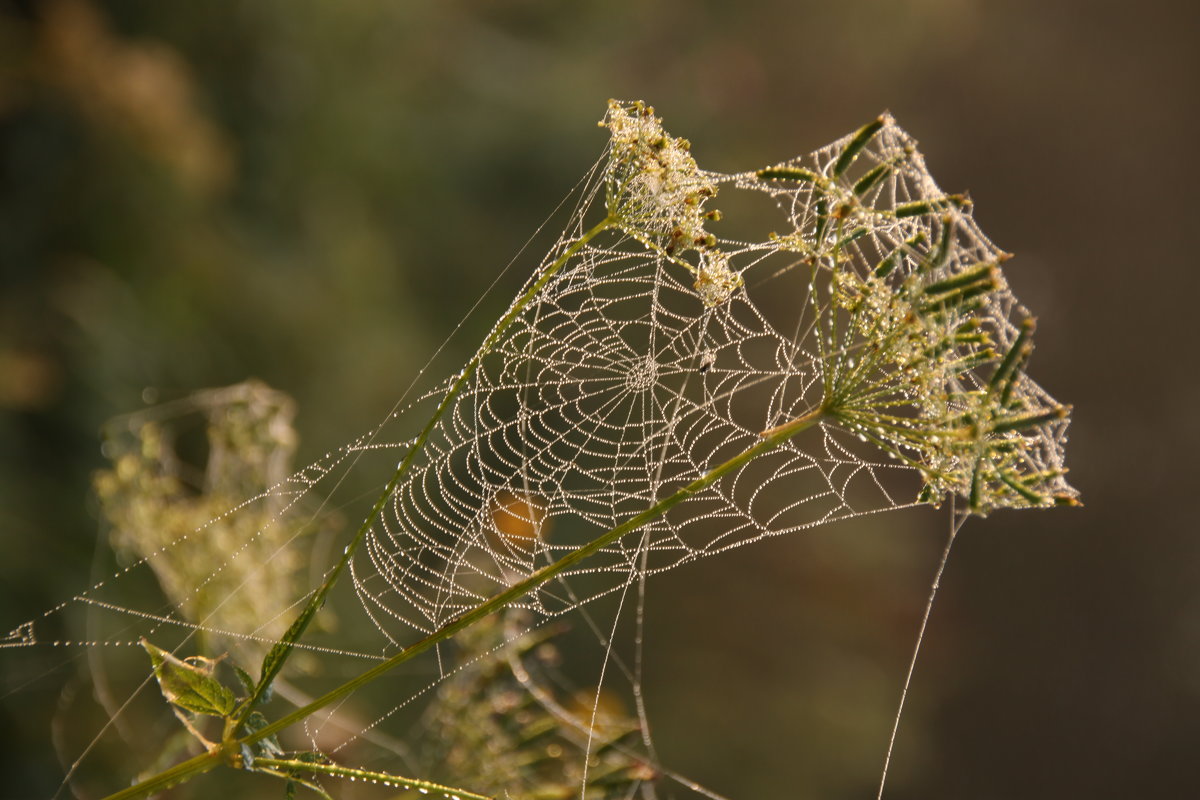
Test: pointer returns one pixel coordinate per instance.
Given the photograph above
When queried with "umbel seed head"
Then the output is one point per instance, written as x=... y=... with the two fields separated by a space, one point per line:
x=917 y=350
x=657 y=194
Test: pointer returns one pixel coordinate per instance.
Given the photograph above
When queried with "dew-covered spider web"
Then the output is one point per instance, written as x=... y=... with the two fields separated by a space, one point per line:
x=851 y=349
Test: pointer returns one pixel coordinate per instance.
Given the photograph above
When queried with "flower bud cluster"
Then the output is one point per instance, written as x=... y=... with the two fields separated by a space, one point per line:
x=656 y=192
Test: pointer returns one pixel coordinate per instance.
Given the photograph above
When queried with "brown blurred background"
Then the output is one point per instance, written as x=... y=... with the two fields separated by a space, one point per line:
x=315 y=193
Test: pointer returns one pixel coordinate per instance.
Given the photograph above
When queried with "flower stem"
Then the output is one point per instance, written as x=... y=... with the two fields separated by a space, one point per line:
x=541 y=576
x=296 y=766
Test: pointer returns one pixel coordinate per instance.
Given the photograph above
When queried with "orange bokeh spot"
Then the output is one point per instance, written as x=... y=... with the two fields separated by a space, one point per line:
x=519 y=518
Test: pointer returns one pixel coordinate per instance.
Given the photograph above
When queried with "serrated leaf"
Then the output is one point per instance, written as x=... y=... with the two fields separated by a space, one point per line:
x=191 y=687
x=279 y=653
x=244 y=679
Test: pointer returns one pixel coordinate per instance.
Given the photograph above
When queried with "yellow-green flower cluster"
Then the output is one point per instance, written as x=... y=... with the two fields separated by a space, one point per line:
x=657 y=193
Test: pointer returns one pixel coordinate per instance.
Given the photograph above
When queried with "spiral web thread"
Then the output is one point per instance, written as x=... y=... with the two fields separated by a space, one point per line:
x=626 y=377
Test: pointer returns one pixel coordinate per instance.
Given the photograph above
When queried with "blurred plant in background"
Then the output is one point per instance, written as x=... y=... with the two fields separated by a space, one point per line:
x=501 y=725
x=154 y=499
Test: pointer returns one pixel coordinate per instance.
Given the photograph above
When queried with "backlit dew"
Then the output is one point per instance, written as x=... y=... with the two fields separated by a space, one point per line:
x=518 y=518
x=879 y=312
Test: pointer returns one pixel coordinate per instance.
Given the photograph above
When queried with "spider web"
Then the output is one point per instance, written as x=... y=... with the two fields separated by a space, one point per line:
x=618 y=385
x=606 y=388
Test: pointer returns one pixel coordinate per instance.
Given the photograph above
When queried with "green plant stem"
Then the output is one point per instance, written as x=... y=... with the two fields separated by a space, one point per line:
x=180 y=773
x=379 y=777
x=540 y=577
x=279 y=655
x=229 y=750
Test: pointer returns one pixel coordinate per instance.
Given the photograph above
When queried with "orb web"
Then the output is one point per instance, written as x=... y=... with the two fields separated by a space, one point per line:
x=644 y=351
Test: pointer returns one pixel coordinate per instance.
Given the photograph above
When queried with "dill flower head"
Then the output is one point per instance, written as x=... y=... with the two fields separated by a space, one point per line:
x=657 y=193
x=921 y=352
x=928 y=386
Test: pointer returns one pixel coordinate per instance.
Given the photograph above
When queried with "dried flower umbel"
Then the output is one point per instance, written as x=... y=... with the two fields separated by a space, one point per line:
x=657 y=194
x=916 y=351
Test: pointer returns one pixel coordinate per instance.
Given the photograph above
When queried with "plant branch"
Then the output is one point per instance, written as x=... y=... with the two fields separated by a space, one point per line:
x=541 y=576
x=231 y=747
x=173 y=776
x=288 y=766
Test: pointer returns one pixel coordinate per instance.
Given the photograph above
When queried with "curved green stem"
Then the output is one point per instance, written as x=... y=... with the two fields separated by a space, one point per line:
x=291 y=765
x=275 y=660
x=541 y=576
x=180 y=773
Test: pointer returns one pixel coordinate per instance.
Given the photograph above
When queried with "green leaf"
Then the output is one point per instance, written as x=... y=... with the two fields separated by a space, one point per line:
x=279 y=653
x=919 y=207
x=189 y=686
x=869 y=181
x=789 y=174
x=245 y=679
x=268 y=746
x=856 y=145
